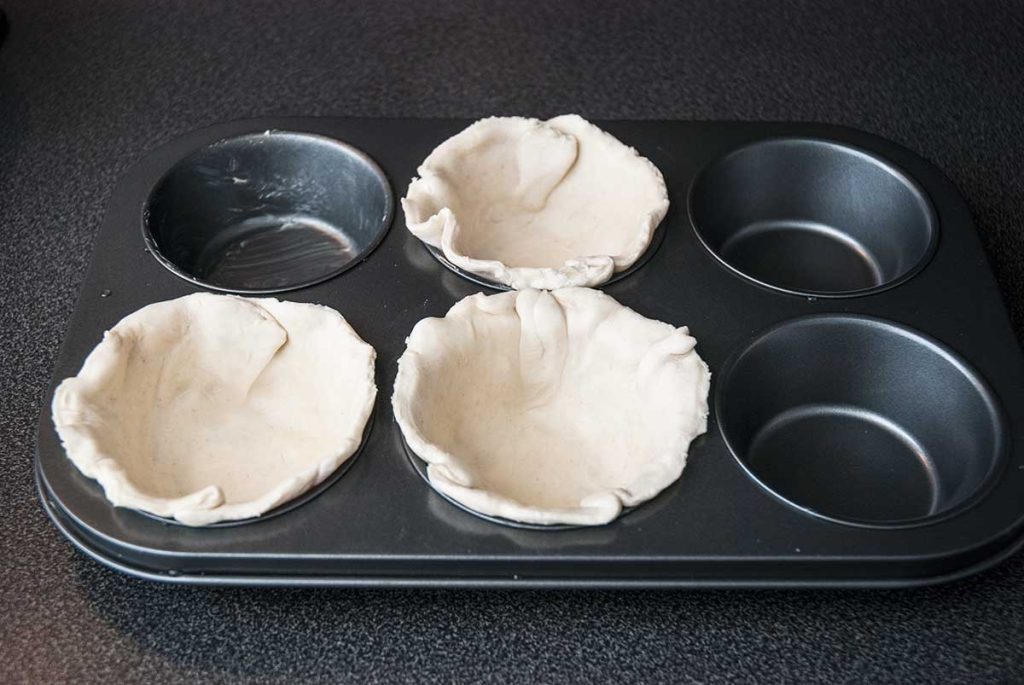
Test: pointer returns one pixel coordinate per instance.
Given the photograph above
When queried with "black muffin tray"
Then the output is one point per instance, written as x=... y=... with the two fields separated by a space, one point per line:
x=865 y=400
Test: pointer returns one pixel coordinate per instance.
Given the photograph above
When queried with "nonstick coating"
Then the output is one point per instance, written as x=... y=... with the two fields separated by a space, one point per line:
x=380 y=524
x=267 y=212
x=813 y=217
x=859 y=420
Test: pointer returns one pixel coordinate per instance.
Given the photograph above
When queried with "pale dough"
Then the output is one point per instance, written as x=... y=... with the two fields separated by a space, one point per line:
x=537 y=204
x=212 y=407
x=550 y=407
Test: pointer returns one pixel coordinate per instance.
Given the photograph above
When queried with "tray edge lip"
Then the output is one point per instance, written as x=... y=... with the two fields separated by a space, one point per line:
x=1015 y=541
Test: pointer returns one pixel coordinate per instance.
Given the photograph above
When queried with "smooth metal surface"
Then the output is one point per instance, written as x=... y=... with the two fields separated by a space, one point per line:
x=268 y=212
x=813 y=217
x=382 y=525
x=861 y=421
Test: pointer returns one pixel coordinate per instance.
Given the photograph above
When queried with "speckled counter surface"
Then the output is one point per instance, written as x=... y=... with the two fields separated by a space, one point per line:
x=87 y=88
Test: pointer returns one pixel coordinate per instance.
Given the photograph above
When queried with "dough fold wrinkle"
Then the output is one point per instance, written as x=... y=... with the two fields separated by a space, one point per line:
x=211 y=408
x=537 y=204
x=550 y=407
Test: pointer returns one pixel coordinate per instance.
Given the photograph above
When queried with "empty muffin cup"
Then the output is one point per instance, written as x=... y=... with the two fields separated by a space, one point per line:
x=268 y=212
x=861 y=421
x=813 y=217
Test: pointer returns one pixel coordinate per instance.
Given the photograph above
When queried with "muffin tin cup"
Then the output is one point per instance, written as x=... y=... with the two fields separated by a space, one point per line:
x=853 y=441
x=813 y=217
x=267 y=212
x=861 y=421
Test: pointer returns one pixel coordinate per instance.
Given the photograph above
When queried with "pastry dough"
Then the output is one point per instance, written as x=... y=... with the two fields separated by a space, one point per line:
x=212 y=408
x=537 y=204
x=550 y=407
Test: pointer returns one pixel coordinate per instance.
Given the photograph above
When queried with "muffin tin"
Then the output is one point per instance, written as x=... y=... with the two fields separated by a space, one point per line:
x=865 y=389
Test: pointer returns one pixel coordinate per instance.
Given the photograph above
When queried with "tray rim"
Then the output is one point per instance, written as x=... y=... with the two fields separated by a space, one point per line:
x=516 y=582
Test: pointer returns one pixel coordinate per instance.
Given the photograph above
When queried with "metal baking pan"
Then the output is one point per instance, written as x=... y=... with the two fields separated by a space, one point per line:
x=865 y=391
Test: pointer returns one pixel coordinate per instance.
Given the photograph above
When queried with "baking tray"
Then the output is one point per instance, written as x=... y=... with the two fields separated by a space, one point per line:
x=380 y=524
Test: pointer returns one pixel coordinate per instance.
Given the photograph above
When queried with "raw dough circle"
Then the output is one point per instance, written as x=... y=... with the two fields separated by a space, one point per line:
x=537 y=204
x=550 y=407
x=215 y=408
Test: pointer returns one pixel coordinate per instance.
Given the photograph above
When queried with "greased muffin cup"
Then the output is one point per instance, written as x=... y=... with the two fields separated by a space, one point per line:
x=860 y=420
x=813 y=217
x=267 y=212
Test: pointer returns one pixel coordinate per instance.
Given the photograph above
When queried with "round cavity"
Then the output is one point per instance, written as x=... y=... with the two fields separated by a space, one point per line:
x=211 y=408
x=268 y=212
x=549 y=408
x=813 y=217
x=536 y=204
x=860 y=421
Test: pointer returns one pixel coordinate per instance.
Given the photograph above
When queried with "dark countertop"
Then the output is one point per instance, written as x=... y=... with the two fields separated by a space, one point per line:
x=87 y=88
